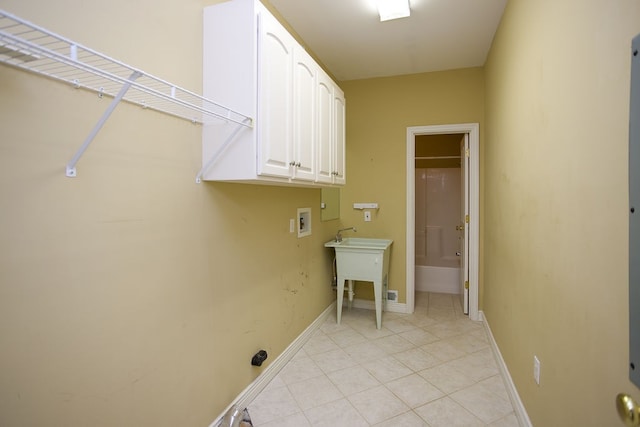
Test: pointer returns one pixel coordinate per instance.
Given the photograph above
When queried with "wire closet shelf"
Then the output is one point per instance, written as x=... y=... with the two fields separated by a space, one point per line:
x=30 y=47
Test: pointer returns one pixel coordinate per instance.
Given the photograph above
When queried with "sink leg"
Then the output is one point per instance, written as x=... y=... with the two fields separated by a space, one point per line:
x=351 y=293
x=377 y=295
x=339 y=299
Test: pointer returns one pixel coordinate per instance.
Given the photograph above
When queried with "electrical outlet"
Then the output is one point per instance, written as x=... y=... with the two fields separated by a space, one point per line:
x=367 y=216
x=536 y=369
x=292 y=225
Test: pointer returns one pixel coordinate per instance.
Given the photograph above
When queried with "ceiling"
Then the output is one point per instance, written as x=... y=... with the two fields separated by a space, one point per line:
x=349 y=39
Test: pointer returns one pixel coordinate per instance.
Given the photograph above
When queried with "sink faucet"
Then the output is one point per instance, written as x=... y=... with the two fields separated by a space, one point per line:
x=339 y=234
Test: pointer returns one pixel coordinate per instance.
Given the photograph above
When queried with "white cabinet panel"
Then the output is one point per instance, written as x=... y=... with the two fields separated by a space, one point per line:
x=274 y=124
x=304 y=103
x=325 y=132
x=339 y=159
x=331 y=132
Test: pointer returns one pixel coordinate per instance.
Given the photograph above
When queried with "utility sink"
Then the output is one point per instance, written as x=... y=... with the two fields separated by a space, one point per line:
x=366 y=260
x=360 y=243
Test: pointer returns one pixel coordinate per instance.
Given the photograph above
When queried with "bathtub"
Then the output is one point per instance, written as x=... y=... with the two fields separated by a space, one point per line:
x=437 y=279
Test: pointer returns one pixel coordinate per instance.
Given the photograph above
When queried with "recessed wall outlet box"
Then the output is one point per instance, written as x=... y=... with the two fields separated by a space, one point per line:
x=392 y=295
x=367 y=216
x=304 y=222
x=536 y=369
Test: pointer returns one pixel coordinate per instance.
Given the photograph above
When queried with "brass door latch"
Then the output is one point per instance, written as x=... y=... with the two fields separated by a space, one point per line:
x=628 y=410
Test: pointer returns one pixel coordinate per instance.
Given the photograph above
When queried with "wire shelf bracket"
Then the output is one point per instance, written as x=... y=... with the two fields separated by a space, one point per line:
x=219 y=152
x=32 y=48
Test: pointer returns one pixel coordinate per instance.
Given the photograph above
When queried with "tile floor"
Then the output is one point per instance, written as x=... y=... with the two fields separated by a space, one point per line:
x=432 y=368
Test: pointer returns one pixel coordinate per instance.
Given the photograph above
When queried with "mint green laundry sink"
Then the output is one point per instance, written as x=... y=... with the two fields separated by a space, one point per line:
x=360 y=243
x=366 y=260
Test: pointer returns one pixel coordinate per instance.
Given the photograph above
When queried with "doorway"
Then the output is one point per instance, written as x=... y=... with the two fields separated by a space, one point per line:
x=470 y=233
x=439 y=222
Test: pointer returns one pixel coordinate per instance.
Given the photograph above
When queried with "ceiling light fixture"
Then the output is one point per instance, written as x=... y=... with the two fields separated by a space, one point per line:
x=393 y=9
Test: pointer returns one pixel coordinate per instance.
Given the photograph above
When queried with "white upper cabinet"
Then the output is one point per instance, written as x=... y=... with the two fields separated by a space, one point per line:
x=254 y=66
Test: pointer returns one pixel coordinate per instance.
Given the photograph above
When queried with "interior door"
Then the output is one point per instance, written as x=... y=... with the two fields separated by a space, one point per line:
x=628 y=409
x=463 y=228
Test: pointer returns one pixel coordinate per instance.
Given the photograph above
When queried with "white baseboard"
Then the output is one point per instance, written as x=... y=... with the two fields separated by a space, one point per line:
x=393 y=307
x=439 y=288
x=269 y=373
x=518 y=407
x=396 y=307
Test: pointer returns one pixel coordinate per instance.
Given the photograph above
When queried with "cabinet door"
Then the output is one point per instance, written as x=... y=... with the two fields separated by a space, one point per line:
x=275 y=69
x=325 y=134
x=304 y=122
x=339 y=159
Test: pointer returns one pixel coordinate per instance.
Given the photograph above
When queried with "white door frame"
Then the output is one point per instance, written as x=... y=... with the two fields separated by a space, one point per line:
x=473 y=129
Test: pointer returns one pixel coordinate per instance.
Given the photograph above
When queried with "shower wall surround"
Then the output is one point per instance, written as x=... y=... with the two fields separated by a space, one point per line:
x=438 y=197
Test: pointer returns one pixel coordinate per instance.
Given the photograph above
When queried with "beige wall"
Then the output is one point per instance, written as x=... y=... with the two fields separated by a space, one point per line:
x=131 y=295
x=378 y=113
x=557 y=97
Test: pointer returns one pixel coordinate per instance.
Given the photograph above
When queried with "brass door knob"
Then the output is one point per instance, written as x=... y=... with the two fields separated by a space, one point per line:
x=628 y=410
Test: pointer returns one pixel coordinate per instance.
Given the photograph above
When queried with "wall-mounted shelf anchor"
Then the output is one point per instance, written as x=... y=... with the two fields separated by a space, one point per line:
x=365 y=206
x=71 y=166
x=220 y=150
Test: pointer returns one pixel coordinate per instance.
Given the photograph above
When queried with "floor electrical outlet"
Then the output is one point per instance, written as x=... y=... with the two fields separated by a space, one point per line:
x=536 y=369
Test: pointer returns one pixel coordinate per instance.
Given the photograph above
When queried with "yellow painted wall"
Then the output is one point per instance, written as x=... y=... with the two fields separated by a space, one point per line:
x=556 y=205
x=378 y=113
x=130 y=295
